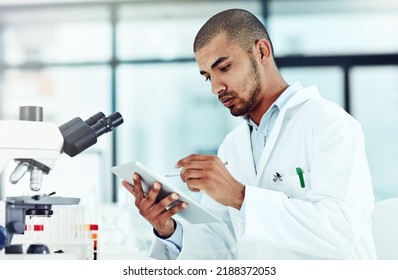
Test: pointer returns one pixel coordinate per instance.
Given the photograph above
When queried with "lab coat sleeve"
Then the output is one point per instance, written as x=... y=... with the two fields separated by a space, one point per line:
x=331 y=222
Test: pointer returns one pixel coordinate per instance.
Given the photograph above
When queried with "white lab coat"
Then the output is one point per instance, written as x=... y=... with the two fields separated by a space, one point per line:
x=327 y=219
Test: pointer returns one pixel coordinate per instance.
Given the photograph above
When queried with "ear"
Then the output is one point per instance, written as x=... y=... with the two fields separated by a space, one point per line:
x=264 y=50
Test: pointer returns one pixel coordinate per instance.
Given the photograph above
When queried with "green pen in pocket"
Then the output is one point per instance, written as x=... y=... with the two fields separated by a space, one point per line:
x=301 y=177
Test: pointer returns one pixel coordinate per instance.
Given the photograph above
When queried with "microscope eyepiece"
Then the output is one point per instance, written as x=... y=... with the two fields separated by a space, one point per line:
x=79 y=135
x=95 y=118
x=107 y=124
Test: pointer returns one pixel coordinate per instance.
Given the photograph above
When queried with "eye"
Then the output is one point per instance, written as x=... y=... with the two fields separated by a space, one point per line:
x=225 y=68
x=207 y=78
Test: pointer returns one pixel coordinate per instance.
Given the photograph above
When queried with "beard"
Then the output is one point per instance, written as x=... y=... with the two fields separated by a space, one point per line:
x=243 y=106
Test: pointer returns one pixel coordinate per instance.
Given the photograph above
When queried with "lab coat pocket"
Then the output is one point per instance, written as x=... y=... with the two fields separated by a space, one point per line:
x=294 y=187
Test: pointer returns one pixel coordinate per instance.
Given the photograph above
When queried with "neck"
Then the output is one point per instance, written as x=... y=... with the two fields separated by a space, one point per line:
x=266 y=101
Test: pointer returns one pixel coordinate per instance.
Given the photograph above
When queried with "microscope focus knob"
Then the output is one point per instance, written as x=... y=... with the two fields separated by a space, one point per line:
x=3 y=237
x=16 y=227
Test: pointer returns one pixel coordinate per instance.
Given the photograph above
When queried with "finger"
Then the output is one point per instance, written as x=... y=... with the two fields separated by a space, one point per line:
x=201 y=163
x=192 y=177
x=194 y=185
x=174 y=210
x=129 y=187
x=198 y=157
x=190 y=164
x=153 y=193
x=193 y=158
x=189 y=175
x=152 y=210
x=139 y=194
x=165 y=202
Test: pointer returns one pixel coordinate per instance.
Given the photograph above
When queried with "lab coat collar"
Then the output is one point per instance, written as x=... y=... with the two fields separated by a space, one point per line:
x=300 y=97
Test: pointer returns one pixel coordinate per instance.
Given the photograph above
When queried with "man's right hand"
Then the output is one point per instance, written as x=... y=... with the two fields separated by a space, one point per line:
x=156 y=213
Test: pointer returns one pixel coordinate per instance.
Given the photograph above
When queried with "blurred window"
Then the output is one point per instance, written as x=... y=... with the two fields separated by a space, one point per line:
x=49 y=35
x=375 y=105
x=168 y=31
x=334 y=33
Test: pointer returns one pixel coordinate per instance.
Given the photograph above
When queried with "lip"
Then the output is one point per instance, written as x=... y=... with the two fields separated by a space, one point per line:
x=227 y=101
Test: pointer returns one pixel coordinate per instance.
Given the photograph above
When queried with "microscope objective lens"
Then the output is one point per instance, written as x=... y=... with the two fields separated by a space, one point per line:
x=36 y=176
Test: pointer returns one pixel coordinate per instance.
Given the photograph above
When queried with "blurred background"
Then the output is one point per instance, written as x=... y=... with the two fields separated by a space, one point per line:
x=76 y=58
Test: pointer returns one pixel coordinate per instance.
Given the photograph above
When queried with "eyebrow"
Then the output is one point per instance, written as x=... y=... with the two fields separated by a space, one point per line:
x=218 y=61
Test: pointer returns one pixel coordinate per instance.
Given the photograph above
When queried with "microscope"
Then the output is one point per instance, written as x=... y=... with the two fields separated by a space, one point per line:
x=36 y=146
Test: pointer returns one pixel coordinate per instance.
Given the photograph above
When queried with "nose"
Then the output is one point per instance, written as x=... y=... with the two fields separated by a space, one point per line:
x=217 y=86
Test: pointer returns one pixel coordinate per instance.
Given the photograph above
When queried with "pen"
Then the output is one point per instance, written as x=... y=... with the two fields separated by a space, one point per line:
x=301 y=177
x=179 y=172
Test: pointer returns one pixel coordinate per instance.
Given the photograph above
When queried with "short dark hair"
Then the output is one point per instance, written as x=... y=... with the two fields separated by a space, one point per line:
x=239 y=25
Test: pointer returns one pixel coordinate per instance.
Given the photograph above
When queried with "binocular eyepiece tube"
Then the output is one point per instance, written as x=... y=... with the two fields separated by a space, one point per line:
x=79 y=135
x=107 y=124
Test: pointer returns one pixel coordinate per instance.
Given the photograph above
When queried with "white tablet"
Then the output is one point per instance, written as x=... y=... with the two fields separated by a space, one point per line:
x=194 y=214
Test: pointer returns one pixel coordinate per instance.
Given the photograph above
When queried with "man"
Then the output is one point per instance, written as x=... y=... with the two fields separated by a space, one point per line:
x=297 y=183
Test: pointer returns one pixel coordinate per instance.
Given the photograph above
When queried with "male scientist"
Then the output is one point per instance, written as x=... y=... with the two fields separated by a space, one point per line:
x=297 y=183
